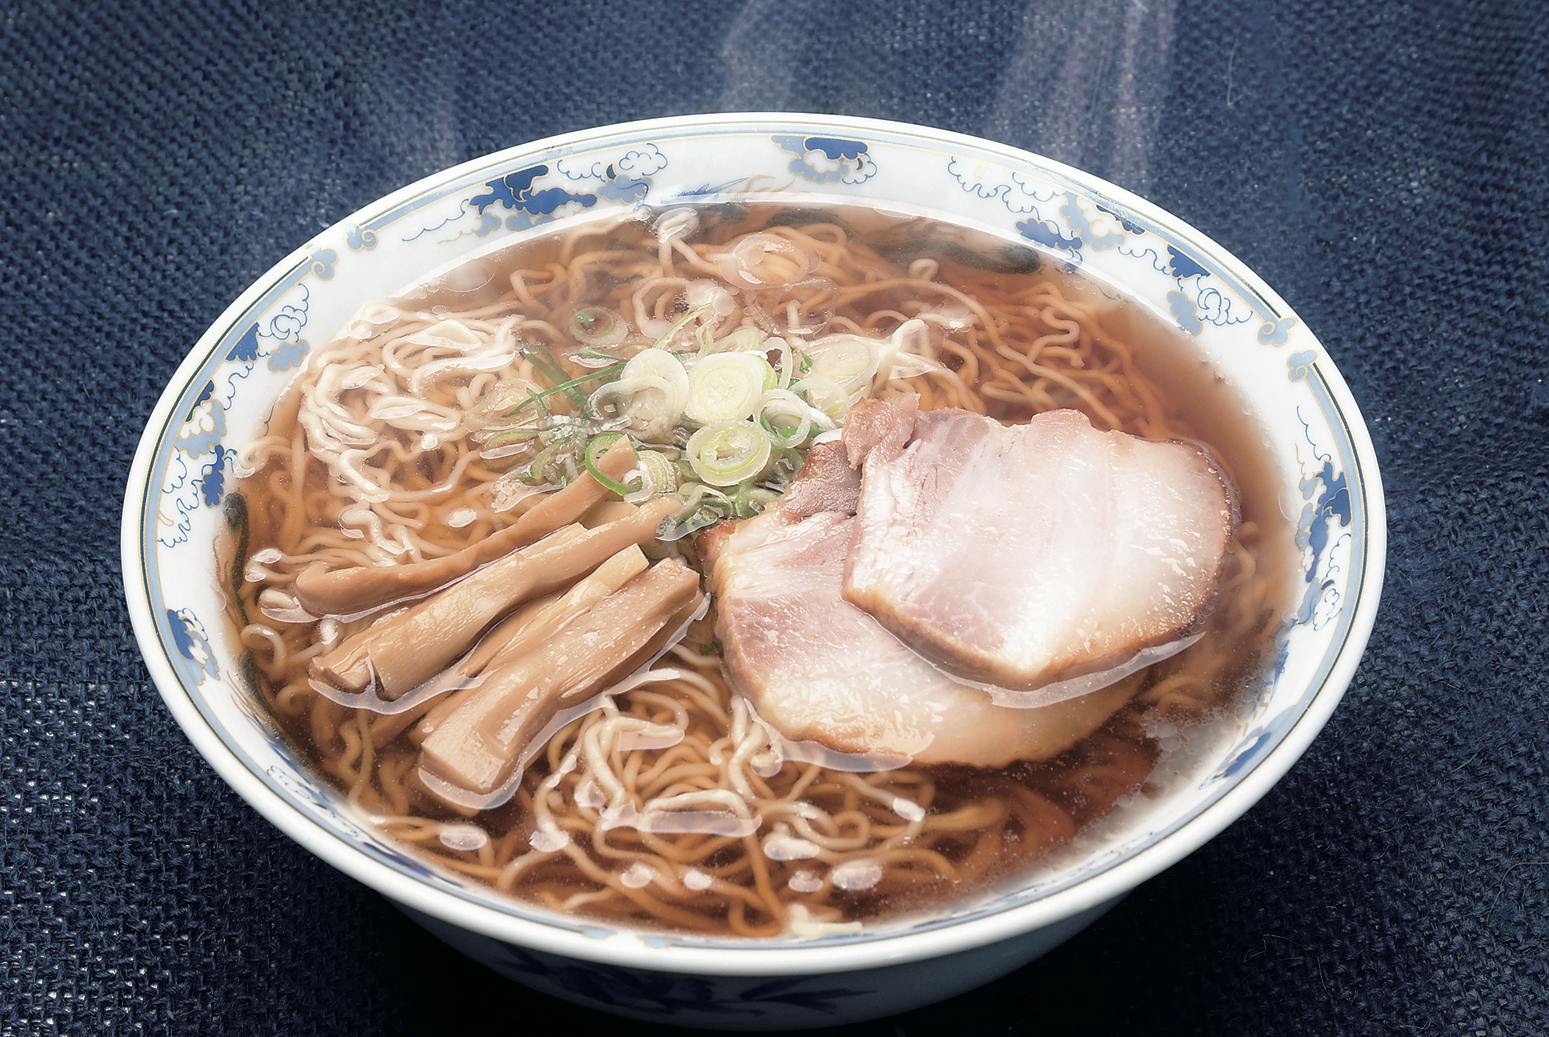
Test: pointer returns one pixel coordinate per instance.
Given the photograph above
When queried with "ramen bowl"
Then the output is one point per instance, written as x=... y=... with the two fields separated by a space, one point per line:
x=181 y=479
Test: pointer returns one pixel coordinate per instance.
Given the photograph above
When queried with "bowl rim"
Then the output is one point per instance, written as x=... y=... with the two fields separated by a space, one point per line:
x=754 y=959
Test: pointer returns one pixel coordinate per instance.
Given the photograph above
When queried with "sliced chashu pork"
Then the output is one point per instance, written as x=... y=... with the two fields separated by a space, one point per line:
x=1048 y=558
x=819 y=669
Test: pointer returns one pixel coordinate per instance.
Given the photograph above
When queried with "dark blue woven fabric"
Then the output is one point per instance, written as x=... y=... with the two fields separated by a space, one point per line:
x=1385 y=166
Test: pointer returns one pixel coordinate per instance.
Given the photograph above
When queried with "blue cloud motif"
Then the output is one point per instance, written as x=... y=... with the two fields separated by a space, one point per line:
x=1183 y=266
x=1047 y=233
x=519 y=221
x=204 y=426
x=462 y=210
x=972 y=186
x=836 y=148
x=288 y=321
x=288 y=355
x=246 y=348
x=1328 y=502
x=1014 y=192
x=646 y=160
x=625 y=178
x=360 y=238
x=1246 y=752
x=624 y=190
x=1115 y=229
x=1182 y=308
x=189 y=638
x=827 y=160
x=1274 y=332
x=1329 y=499
x=212 y=477
x=323 y=262
x=1215 y=308
x=204 y=394
x=1123 y=218
x=517 y=192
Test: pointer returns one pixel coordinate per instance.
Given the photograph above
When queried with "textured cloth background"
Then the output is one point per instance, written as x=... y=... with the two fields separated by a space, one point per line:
x=1385 y=166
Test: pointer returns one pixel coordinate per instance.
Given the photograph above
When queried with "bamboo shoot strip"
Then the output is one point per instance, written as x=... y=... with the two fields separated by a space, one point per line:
x=478 y=745
x=351 y=591
x=403 y=652
x=529 y=628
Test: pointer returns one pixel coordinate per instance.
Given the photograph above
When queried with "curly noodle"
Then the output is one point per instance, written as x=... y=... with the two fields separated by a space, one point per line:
x=368 y=461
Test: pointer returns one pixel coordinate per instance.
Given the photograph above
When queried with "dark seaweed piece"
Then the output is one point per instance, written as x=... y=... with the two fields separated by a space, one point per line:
x=712 y=215
x=237 y=534
x=802 y=217
x=1011 y=259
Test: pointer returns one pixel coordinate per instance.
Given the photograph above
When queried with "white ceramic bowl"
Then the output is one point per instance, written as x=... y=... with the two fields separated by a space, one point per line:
x=223 y=390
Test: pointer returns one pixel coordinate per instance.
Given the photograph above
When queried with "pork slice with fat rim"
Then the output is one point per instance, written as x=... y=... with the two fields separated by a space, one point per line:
x=820 y=670
x=1040 y=560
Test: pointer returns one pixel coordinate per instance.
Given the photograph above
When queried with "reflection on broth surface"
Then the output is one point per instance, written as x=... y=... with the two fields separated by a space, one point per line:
x=482 y=510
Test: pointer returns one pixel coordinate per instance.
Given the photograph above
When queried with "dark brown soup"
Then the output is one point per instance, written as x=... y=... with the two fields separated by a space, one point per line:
x=435 y=421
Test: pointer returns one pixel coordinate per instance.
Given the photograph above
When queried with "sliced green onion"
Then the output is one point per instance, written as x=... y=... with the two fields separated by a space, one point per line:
x=661 y=364
x=743 y=340
x=787 y=363
x=648 y=402
x=697 y=494
x=749 y=499
x=702 y=507
x=538 y=469
x=848 y=361
x=540 y=358
x=594 y=358
x=728 y=452
x=725 y=387
x=595 y=448
x=569 y=385
x=786 y=466
x=597 y=326
x=827 y=396
x=785 y=417
x=654 y=475
x=678 y=325
x=509 y=443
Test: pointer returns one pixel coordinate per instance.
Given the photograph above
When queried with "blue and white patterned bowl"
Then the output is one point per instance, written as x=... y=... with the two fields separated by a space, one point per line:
x=224 y=389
